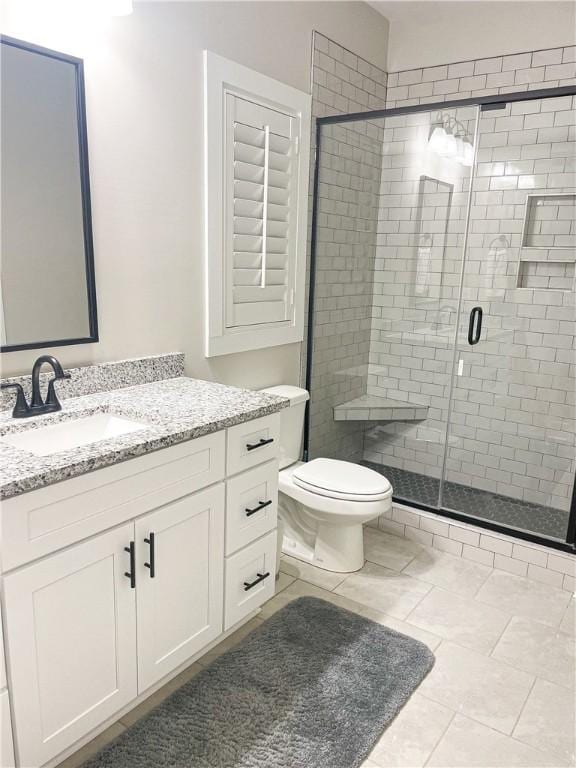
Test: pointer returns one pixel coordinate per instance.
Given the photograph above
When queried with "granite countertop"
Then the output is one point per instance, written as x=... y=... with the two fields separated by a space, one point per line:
x=174 y=410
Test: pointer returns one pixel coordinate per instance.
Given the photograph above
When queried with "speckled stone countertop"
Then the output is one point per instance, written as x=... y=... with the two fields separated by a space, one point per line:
x=174 y=410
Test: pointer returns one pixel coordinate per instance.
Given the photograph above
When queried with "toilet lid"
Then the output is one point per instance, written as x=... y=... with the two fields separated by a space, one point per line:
x=342 y=480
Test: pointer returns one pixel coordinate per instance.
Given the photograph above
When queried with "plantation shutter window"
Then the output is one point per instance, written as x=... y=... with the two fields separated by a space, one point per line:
x=256 y=199
x=262 y=218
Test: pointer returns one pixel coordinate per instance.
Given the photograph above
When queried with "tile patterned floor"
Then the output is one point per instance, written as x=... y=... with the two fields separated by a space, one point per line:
x=505 y=510
x=502 y=691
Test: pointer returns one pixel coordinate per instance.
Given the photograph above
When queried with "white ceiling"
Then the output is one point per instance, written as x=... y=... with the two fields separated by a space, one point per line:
x=429 y=32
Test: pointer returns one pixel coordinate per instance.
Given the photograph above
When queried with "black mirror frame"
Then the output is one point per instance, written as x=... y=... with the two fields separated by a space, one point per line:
x=85 y=192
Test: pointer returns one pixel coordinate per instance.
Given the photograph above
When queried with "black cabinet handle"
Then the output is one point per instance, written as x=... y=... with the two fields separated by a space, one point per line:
x=261 y=505
x=249 y=584
x=260 y=444
x=474 y=333
x=151 y=541
x=131 y=574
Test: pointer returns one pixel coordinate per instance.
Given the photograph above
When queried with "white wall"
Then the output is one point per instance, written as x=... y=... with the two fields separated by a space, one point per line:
x=144 y=104
x=423 y=34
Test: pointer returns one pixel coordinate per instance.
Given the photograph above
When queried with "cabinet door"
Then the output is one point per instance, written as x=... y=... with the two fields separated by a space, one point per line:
x=180 y=596
x=6 y=746
x=71 y=637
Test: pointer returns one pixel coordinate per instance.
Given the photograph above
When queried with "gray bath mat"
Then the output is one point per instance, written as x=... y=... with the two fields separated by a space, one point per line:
x=313 y=687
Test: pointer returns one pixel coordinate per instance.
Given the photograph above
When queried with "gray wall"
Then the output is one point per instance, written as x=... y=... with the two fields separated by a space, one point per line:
x=144 y=102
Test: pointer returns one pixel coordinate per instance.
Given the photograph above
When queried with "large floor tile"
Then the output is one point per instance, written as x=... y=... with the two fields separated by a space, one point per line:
x=468 y=743
x=539 y=649
x=409 y=740
x=568 y=623
x=432 y=641
x=293 y=591
x=94 y=746
x=390 y=551
x=524 y=597
x=483 y=688
x=548 y=719
x=455 y=574
x=302 y=589
x=460 y=619
x=306 y=572
x=393 y=593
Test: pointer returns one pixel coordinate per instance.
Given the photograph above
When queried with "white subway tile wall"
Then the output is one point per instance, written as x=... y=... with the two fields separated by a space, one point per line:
x=483 y=77
x=347 y=216
x=496 y=550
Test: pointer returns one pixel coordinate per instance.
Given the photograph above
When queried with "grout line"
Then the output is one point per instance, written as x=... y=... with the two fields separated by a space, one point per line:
x=444 y=732
x=523 y=707
x=491 y=652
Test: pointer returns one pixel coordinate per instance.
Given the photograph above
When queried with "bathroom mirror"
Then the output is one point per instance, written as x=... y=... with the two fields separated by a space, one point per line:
x=47 y=288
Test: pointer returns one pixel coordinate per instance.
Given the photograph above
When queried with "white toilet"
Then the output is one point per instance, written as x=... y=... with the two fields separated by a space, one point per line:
x=324 y=503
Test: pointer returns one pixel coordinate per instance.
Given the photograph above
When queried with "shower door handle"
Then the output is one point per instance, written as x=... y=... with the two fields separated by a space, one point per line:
x=475 y=326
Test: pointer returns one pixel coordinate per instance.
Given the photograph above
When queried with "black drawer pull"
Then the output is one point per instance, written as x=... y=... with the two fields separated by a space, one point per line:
x=151 y=541
x=261 y=505
x=260 y=444
x=249 y=584
x=131 y=574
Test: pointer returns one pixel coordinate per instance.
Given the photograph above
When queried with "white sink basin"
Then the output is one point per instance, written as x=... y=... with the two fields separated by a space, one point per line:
x=72 y=434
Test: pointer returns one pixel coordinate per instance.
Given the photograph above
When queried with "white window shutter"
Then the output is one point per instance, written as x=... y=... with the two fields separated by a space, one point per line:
x=262 y=213
x=255 y=296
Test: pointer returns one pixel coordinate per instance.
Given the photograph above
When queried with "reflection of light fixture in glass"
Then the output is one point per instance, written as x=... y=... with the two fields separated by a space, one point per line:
x=446 y=144
x=436 y=140
x=468 y=154
x=450 y=146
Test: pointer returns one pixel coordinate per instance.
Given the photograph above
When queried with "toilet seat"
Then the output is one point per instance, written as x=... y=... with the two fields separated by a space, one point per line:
x=341 y=480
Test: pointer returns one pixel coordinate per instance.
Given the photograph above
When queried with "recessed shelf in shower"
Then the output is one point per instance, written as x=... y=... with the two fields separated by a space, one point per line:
x=547 y=274
x=550 y=221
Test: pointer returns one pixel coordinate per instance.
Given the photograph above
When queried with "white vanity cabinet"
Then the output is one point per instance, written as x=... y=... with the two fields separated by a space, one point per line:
x=71 y=621
x=115 y=579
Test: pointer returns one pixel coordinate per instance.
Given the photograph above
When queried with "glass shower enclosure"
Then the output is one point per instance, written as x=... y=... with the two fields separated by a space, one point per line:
x=442 y=315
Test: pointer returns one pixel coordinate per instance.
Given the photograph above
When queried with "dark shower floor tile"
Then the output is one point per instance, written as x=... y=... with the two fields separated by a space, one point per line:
x=505 y=510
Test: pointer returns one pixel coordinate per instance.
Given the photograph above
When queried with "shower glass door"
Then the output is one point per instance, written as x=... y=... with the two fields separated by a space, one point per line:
x=510 y=442
x=427 y=160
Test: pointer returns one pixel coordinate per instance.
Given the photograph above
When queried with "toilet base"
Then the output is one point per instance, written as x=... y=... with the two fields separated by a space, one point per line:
x=336 y=548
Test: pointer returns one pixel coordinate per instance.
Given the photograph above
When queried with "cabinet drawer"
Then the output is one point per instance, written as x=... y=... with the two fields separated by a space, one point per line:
x=253 y=443
x=37 y=523
x=251 y=505
x=244 y=569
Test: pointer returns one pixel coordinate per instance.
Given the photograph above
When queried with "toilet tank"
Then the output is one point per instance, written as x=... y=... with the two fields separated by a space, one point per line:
x=291 y=422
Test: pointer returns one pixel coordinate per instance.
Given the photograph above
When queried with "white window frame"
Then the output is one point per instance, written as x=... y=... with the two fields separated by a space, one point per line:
x=222 y=77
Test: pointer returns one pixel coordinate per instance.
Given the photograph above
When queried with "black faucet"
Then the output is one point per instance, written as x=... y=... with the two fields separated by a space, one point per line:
x=38 y=406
